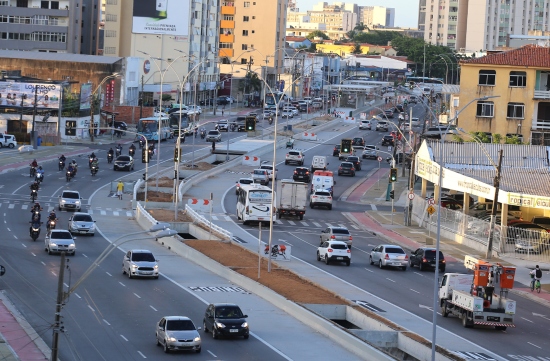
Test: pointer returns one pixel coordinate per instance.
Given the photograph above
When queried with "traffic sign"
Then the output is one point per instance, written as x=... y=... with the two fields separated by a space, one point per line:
x=379 y=159
x=431 y=210
x=411 y=196
x=431 y=201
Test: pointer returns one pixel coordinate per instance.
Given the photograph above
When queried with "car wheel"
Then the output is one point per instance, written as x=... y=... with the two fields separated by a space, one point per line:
x=123 y=270
x=370 y=260
x=420 y=267
x=129 y=274
x=310 y=205
x=59 y=208
x=380 y=264
x=442 y=269
x=348 y=262
x=301 y=217
x=286 y=163
x=198 y=350
x=444 y=311
x=404 y=268
x=214 y=333
x=318 y=256
x=330 y=207
x=157 y=339
x=49 y=251
x=246 y=336
x=166 y=349
x=204 y=326
x=411 y=265
x=327 y=261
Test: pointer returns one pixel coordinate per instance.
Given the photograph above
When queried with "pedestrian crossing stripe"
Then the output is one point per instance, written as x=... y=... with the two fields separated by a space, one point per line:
x=218 y=289
x=474 y=355
x=316 y=224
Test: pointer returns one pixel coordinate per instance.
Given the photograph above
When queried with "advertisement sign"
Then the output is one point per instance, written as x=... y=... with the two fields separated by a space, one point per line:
x=161 y=17
x=23 y=94
x=85 y=96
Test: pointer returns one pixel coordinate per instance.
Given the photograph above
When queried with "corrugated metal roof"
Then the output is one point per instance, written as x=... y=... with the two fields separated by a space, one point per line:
x=450 y=89
x=75 y=58
x=525 y=168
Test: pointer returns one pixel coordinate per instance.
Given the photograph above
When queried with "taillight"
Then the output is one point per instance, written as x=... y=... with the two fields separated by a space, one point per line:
x=333 y=237
x=295 y=172
x=350 y=238
x=287 y=154
x=329 y=250
x=339 y=168
x=349 y=250
x=442 y=261
x=329 y=197
x=314 y=197
x=299 y=156
x=406 y=257
x=424 y=259
x=387 y=256
x=308 y=173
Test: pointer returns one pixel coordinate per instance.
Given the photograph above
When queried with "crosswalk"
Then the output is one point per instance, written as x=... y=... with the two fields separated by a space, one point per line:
x=48 y=207
x=288 y=222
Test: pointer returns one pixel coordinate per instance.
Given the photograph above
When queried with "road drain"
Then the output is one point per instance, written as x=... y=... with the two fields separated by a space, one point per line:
x=346 y=324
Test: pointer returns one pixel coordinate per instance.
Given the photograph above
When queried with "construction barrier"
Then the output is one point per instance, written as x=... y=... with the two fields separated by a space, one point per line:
x=202 y=205
x=251 y=160
x=349 y=120
x=309 y=136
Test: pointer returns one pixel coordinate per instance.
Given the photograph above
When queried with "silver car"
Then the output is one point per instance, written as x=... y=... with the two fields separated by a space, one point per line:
x=214 y=136
x=59 y=240
x=70 y=200
x=389 y=255
x=82 y=223
x=140 y=263
x=178 y=333
x=336 y=234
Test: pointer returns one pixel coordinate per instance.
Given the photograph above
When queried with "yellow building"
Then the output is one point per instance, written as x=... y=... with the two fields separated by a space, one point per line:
x=347 y=49
x=520 y=80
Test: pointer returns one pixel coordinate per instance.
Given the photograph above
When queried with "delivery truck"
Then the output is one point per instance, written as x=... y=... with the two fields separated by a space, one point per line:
x=293 y=199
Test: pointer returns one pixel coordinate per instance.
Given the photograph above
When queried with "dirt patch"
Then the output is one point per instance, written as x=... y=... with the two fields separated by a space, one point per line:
x=163 y=182
x=154 y=196
x=166 y=215
x=284 y=282
x=198 y=166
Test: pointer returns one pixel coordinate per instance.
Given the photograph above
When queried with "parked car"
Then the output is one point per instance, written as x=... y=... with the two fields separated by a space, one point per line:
x=424 y=257
x=225 y=319
x=389 y=255
x=140 y=263
x=388 y=140
x=346 y=168
x=7 y=140
x=124 y=162
x=241 y=182
x=382 y=126
x=82 y=223
x=178 y=333
x=528 y=237
x=336 y=234
x=320 y=198
x=370 y=152
x=59 y=240
x=70 y=200
x=213 y=136
x=355 y=160
x=334 y=251
x=542 y=221
x=336 y=150
x=294 y=156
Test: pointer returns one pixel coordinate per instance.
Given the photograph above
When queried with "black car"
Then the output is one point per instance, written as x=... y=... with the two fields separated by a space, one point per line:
x=388 y=113
x=119 y=125
x=301 y=174
x=358 y=141
x=424 y=258
x=355 y=160
x=225 y=319
x=221 y=100
x=388 y=140
x=206 y=102
x=124 y=162
x=346 y=168
x=399 y=108
x=336 y=150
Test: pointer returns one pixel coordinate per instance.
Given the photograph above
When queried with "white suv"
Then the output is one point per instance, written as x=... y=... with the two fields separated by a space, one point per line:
x=269 y=168
x=334 y=251
x=320 y=198
x=7 y=140
x=294 y=156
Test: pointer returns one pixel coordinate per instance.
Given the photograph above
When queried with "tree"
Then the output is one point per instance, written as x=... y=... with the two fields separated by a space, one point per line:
x=250 y=83
x=312 y=48
x=351 y=34
x=317 y=34
x=356 y=49
x=360 y=27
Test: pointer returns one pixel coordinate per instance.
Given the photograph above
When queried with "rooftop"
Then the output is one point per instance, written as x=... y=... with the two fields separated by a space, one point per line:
x=527 y=56
x=75 y=58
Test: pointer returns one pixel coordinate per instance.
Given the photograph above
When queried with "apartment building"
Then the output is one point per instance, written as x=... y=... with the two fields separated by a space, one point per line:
x=62 y=26
x=252 y=31
x=177 y=46
x=476 y=25
x=377 y=16
x=521 y=80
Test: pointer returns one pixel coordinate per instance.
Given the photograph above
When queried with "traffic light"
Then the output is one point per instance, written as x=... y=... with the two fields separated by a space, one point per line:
x=144 y=155
x=345 y=146
x=177 y=154
x=250 y=123
x=392 y=194
x=393 y=175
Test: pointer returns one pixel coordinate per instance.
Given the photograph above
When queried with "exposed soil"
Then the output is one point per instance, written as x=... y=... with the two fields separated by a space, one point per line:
x=154 y=196
x=166 y=215
x=198 y=166
x=163 y=182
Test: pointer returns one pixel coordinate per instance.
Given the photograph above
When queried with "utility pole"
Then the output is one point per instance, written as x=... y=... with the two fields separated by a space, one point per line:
x=57 y=328
x=34 y=145
x=141 y=99
x=496 y=183
x=92 y=118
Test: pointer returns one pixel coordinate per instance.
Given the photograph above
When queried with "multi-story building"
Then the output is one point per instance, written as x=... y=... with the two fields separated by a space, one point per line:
x=178 y=46
x=480 y=24
x=373 y=16
x=61 y=26
x=519 y=79
x=252 y=31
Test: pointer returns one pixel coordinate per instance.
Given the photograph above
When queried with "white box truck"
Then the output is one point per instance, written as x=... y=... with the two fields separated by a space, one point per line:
x=293 y=199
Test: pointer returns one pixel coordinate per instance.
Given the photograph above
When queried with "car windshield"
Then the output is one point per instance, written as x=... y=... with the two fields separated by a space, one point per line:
x=370 y=147
x=338 y=246
x=394 y=250
x=123 y=158
x=293 y=153
x=340 y=231
x=246 y=181
x=324 y=194
x=70 y=195
x=259 y=172
x=353 y=159
x=61 y=235
x=179 y=325
x=143 y=257
x=228 y=312
x=213 y=132
x=347 y=165
x=82 y=218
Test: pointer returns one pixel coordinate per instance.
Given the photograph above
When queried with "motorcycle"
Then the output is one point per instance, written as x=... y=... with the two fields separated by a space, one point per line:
x=69 y=175
x=90 y=160
x=61 y=164
x=109 y=158
x=203 y=134
x=132 y=151
x=39 y=177
x=35 y=229
x=34 y=194
x=94 y=170
x=35 y=215
x=51 y=224
x=32 y=171
x=118 y=151
x=141 y=143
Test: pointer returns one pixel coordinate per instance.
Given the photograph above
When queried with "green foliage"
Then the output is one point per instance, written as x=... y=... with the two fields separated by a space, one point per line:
x=312 y=48
x=351 y=34
x=250 y=83
x=166 y=98
x=497 y=138
x=356 y=49
x=317 y=34
x=479 y=136
x=70 y=104
x=457 y=139
x=512 y=140
x=381 y=38
x=360 y=27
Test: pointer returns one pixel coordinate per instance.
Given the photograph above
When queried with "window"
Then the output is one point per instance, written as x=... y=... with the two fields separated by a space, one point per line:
x=244 y=47
x=485 y=109
x=245 y=18
x=516 y=111
x=487 y=77
x=54 y=5
x=518 y=79
x=44 y=4
x=244 y=61
x=247 y=4
x=245 y=32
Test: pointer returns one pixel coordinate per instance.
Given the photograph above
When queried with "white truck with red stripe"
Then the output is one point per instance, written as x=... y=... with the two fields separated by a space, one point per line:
x=472 y=297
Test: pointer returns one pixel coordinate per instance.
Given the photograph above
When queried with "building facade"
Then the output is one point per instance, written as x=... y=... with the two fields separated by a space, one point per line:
x=519 y=79
x=377 y=16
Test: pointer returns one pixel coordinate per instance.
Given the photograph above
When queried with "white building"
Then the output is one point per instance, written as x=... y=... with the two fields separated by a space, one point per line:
x=372 y=16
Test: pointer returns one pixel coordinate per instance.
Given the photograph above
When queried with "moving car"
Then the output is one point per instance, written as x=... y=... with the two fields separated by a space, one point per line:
x=301 y=174
x=382 y=126
x=223 y=125
x=269 y=168
x=365 y=124
x=178 y=333
x=59 y=240
x=70 y=200
x=287 y=114
x=124 y=162
x=267 y=113
x=334 y=251
x=222 y=100
x=424 y=257
x=336 y=234
x=355 y=160
x=260 y=176
x=213 y=136
x=413 y=99
x=370 y=152
x=294 y=156
x=388 y=140
x=140 y=263
x=241 y=182
x=225 y=319
x=388 y=113
x=336 y=150
x=358 y=141
x=195 y=109
x=346 y=168
x=320 y=198
x=389 y=255
x=318 y=162
x=82 y=223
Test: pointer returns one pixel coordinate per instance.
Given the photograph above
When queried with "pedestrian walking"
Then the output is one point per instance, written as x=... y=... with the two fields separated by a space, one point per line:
x=119 y=189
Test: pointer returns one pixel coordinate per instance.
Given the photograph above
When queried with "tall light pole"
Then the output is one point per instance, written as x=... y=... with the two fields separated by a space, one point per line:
x=92 y=125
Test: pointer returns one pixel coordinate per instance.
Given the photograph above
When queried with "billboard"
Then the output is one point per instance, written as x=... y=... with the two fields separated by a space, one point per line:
x=161 y=17
x=85 y=96
x=14 y=94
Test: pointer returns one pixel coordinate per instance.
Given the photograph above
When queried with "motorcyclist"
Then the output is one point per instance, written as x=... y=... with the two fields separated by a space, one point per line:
x=34 y=186
x=52 y=216
x=36 y=209
x=74 y=167
x=62 y=158
x=203 y=133
x=111 y=152
x=34 y=163
x=118 y=150
x=71 y=169
x=132 y=149
x=95 y=163
x=40 y=172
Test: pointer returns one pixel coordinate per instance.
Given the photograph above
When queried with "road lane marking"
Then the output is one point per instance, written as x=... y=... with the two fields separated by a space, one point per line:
x=53 y=273
x=84 y=255
x=414 y=290
x=342 y=225
x=66 y=285
x=24 y=207
x=389 y=279
x=124 y=338
x=11 y=206
x=210 y=352
x=527 y=320
x=116 y=213
x=42 y=263
x=373 y=207
x=104 y=320
x=142 y=355
x=154 y=309
x=129 y=214
x=371 y=271
x=90 y=307
x=329 y=225
x=292 y=223
x=33 y=254
x=532 y=344
x=305 y=224
x=214 y=218
x=9 y=230
x=108 y=274
x=316 y=224
x=77 y=295
x=137 y=295
x=278 y=221
x=17 y=238
x=103 y=213
x=354 y=226
x=122 y=284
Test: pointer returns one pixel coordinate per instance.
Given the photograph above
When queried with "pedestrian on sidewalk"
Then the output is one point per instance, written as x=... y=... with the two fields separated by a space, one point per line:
x=119 y=189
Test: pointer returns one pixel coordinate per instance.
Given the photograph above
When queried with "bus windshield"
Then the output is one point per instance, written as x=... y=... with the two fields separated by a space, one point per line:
x=147 y=126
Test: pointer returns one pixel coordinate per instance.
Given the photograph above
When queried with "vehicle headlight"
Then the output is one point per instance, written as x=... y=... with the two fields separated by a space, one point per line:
x=77 y=202
x=63 y=201
x=244 y=325
x=53 y=244
x=156 y=267
x=220 y=325
x=134 y=265
x=197 y=339
x=72 y=245
x=171 y=339
x=92 y=226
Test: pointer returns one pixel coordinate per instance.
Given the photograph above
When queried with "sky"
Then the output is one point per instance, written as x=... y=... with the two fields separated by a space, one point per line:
x=406 y=11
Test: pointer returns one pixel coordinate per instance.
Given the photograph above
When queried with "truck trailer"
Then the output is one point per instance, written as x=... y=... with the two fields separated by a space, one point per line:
x=293 y=199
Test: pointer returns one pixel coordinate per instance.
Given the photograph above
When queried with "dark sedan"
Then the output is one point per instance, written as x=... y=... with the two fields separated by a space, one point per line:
x=355 y=160
x=346 y=168
x=388 y=140
x=336 y=150
x=124 y=162
x=301 y=174
x=225 y=319
x=424 y=258
x=388 y=113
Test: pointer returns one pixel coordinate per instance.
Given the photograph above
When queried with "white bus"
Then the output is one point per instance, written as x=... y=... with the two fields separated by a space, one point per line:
x=254 y=203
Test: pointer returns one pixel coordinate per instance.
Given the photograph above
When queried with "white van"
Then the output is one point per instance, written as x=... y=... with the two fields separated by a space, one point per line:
x=7 y=140
x=319 y=162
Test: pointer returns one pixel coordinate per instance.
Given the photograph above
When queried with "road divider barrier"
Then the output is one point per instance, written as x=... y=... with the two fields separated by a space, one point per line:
x=251 y=160
x=309 y=136
x=349 y=120
x=202 y=205
x=198 y=218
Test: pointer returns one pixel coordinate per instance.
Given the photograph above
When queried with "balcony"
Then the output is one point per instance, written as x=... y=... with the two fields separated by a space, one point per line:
x=227 y=24
x=225 y=52
x=541 y=124
x=227 y=38
x=228 y=10
x=541 y=94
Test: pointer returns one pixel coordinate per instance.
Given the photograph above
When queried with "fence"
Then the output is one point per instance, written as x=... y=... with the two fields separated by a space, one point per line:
x=200 y=219
x=509 y=241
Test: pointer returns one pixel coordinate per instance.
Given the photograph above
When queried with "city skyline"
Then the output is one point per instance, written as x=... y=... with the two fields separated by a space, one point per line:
x=406 y=11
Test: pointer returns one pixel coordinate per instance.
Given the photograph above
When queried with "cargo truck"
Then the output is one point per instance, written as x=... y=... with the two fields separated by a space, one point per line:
x=472 y=297
x=293 y=199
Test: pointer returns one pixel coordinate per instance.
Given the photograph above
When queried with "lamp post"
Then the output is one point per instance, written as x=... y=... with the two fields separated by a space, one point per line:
x=92 y=125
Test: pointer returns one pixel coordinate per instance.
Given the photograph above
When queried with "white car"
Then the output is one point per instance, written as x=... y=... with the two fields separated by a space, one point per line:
x=287 y=114
x=214 y=136
x=370 y=152
x=294 y=156
x=7 y=140
x=178 y=333
x=140 y=263
x=241 y=182
x=260 y=176
x=70 y=200
x=334 y=251
x=320 y=198
x=365 y=124
x=59 y=240
x=82 y=223
x=195 y=108
x=389 y=255
x=269 y=168
x=292 y=109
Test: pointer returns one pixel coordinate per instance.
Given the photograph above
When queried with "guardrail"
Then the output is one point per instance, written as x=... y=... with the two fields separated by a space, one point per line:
x=142 y=216
x=200 y=219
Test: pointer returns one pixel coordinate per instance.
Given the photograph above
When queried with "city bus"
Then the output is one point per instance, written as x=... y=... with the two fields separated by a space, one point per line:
x=424 y=82
x=149 y=128
x=254 y=203
x=275 y=98
x=175 y=122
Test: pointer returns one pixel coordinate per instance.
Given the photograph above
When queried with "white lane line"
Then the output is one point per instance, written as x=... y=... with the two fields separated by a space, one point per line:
x=104 y=320
x=527 y=320
x=122 y=284
x=371 y=271
x=389 y=279
x=532 y=344
x=278 y=221
x=108 y=274
x=292 y=223
x=316 y=224
x=66 y=285
x=33 y=254
x=227 y=218
x=77 y=295
x=124 y=338
x=135 y=294
x=84 y=255
x=90 y=211
x=154 y=309
x=342 y=225
x=9 y=230
x=414 y=290
x=16 y=237
x=329 y=225
x=53 y=273
x=103 y=213
x=142 y=355
x=210 y=352
x=42 y=263
x=373 y=207
x=90 y=307
x=116 y=213
x=24 y=206
x=11 y=206
x=214 y=218
x=354 y=226
x=129 y=214
x=305 y=224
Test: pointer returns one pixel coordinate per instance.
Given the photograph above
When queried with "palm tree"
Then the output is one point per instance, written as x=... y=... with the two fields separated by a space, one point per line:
x=360 y=27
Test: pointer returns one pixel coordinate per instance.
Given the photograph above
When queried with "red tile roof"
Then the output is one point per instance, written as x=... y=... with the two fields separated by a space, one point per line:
x=526 y=56
x=298 y=39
